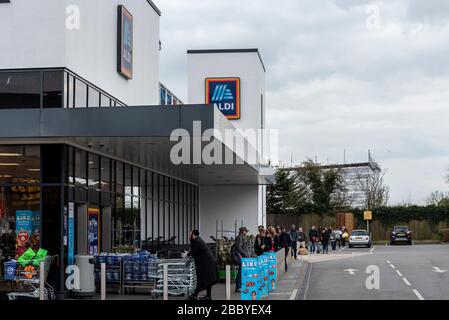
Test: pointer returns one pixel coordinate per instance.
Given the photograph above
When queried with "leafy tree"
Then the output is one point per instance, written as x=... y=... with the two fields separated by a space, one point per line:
x=287 y=195
x=327 y=187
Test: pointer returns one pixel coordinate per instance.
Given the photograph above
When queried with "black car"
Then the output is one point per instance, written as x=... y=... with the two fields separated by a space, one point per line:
x=401 y=235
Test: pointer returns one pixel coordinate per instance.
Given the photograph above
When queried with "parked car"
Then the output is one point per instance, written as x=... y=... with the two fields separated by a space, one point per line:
x=401 y=235
x=360 y=238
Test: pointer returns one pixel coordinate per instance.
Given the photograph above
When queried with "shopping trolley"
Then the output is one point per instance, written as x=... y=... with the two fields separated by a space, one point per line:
x=28 y=278
x=181 y=277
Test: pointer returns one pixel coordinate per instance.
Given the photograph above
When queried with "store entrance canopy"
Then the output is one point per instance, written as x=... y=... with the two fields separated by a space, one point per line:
x=140 y=135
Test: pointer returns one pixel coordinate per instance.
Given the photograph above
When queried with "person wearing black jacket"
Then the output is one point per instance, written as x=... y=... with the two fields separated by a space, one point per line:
x=262 y=243
x=205 y=264
x=325 y=237
x=285 y=241
x=313 y=238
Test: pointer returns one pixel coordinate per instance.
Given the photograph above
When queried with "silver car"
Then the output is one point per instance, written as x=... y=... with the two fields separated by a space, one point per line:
x=360 y=238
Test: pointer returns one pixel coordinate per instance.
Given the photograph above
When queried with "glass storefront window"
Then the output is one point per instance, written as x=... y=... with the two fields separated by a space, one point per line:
x=53 y=89
x=80 y=168
x=94 y=172
x=20 y=90
x=94 y=97
x=136 y=182
x=105 y=101
x=105 y=174
x=119 y=185
x=70 y=91
x=80 y=94
x=128 y=179
x=19 y=164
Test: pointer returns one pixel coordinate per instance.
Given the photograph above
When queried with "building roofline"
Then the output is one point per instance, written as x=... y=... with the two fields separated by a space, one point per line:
x=155 y=8
x=206 y=51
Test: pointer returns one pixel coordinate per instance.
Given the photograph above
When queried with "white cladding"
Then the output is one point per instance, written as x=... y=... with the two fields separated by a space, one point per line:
x=228 y=205
x=37 y=36
x=231 y=204
x=245 y=65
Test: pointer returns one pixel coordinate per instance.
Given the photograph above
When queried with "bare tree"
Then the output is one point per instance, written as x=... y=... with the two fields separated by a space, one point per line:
x=375 y=192
x=438 y=198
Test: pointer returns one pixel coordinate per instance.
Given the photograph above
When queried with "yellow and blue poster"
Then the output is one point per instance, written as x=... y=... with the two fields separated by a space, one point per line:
x=250 y=279
x=224 y=94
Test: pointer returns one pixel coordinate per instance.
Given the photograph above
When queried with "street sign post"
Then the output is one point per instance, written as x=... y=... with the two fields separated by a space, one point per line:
x=367 y=216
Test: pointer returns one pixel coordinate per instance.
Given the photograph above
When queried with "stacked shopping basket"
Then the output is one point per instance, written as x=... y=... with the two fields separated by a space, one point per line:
x=181 y=276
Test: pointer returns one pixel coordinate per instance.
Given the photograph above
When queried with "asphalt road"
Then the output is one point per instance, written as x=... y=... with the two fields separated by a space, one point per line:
x=405 y=273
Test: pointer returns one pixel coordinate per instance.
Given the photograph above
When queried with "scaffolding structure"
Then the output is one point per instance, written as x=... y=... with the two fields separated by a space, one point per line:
x=356 y=176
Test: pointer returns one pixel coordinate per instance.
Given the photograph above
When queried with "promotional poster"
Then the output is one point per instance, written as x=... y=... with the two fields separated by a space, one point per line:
x=93 y=227
x=24 y=230
x=264 y=282
x=36 y=235
x=250 y=279
x=272 y=270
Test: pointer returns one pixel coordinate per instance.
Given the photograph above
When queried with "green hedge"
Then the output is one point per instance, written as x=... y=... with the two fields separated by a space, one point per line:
x=389 y=216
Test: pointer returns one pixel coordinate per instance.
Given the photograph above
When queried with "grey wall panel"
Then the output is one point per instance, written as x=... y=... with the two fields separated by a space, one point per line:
x=102 y=122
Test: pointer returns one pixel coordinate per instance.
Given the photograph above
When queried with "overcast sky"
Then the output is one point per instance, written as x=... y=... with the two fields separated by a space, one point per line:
x=341 y=75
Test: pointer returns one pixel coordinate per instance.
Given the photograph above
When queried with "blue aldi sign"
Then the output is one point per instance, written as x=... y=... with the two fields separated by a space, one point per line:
x=224 y=93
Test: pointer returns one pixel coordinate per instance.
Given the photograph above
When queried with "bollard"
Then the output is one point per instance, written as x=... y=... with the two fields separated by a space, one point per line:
x=42 y=280
x=228 y=282
x=165 y=282
x=103 y=281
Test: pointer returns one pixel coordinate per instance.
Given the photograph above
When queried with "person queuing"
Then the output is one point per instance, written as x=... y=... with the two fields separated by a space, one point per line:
x=333 y=239
x=206 y=266
x=313 y=239
x=285 y=242
x=338 y=234
x=242 y=249
x=277 y=239
x=272 y=237
x=294 y=239
x=301 y=238
x=325 y=236
x=344 y=236
x=262 y=243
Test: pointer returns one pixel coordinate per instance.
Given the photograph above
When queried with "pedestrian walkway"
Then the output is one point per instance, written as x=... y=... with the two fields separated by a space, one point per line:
x=287 y=287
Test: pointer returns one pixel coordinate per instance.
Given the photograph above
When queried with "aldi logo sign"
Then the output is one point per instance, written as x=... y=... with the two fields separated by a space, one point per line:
x=224 y=93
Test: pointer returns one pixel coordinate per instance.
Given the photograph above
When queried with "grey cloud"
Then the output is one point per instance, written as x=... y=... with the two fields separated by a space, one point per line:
x=332 y=83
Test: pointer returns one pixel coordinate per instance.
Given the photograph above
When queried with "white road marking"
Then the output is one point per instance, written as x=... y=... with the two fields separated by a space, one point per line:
x=392 y=265
x=293 y=295
x=436 y=269
x=280 y=293
x=420 y=297
x=406 y=281
x=340 y=250
x=388 y=261
x=351 y=271
x=372 y=249
x=308 y=282
x=399 y=273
